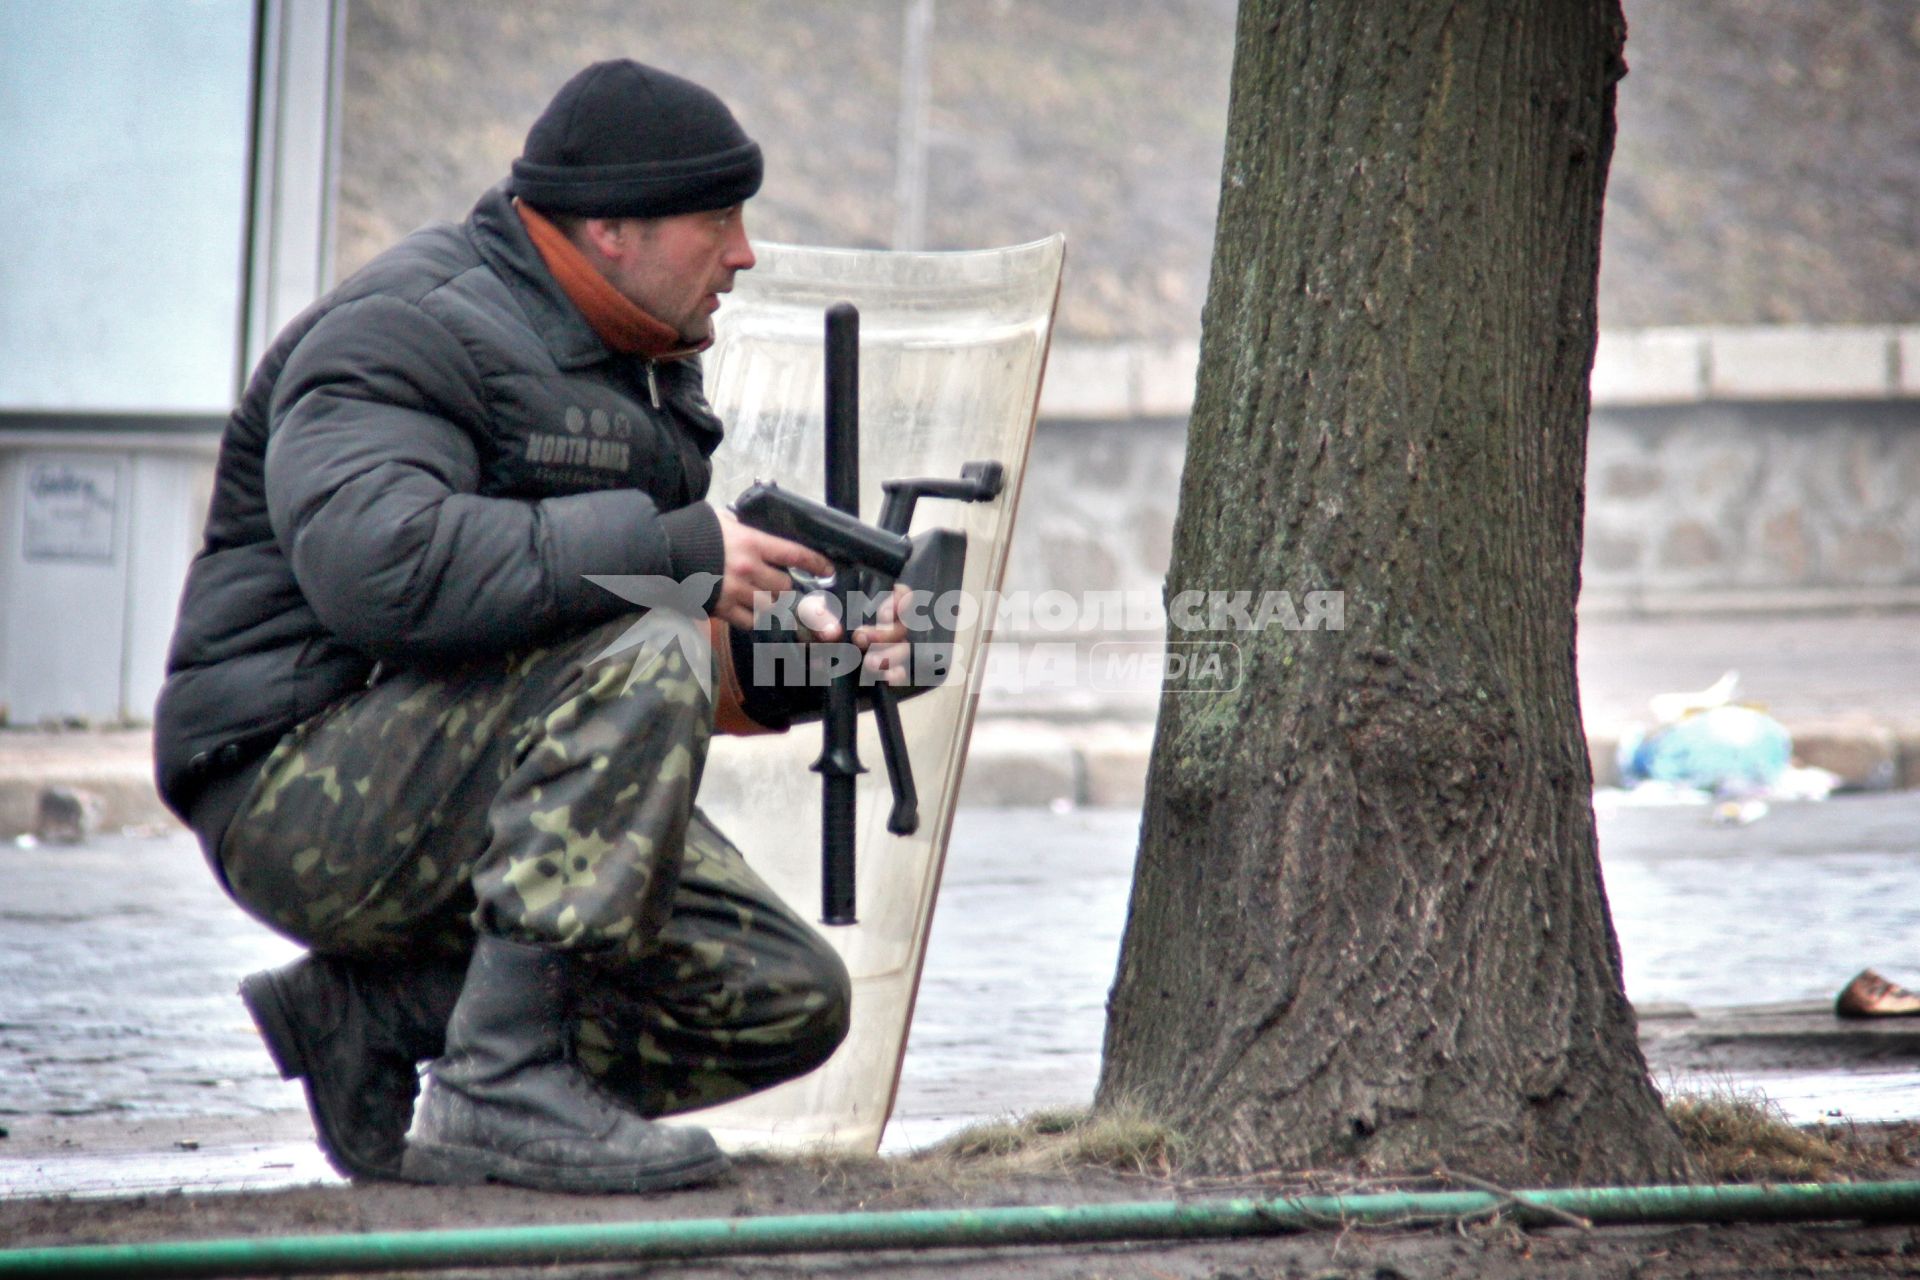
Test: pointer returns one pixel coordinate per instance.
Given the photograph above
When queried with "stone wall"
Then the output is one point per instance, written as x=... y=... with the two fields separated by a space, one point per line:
x=1772 y=469
x=1765 y=506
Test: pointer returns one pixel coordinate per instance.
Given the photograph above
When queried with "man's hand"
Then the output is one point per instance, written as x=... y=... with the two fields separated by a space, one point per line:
x=758 y=562
x=889 y=654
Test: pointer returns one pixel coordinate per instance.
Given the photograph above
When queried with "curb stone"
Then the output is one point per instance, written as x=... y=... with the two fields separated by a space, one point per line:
x=113 y=766
x=1021 y=763
x=1908 y=744
x=1012 y=762
x=1866 y=754
x=1015 y=763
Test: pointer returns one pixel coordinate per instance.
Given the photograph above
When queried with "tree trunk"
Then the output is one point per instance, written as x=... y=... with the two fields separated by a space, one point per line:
x=1367 y=925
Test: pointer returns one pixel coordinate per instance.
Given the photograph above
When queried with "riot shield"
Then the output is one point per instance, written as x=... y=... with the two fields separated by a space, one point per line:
x=952 y=350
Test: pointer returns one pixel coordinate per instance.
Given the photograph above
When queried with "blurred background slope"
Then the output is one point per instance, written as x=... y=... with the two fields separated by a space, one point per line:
x=1767 y=168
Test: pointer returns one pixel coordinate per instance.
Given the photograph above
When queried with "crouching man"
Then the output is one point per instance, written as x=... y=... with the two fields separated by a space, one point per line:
x=413 y=736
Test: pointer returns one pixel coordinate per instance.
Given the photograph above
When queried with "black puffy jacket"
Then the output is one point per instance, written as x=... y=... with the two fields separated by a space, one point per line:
x=421 y=471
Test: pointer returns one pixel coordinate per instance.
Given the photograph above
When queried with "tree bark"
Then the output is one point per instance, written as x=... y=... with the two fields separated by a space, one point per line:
x=1368 y=925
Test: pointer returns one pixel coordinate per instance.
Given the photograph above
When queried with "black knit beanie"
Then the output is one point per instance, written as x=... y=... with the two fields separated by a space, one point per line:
x=622 y=140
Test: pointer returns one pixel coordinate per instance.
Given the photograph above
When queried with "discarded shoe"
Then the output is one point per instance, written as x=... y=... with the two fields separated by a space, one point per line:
x=1871 y=996
x=508 y=1103
x=351 y=1033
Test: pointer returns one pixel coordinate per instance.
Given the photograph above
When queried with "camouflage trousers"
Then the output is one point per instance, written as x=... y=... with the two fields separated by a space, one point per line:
x=548 y=797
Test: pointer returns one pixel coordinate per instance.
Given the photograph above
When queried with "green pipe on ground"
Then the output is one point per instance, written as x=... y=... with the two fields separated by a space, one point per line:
x=954 y=1228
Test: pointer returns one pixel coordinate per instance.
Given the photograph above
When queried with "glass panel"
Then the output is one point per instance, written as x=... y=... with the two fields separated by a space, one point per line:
x=123 y=164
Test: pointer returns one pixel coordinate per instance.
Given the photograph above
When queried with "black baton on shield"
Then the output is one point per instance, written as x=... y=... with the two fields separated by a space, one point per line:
x=839 y=763
x=868 y=560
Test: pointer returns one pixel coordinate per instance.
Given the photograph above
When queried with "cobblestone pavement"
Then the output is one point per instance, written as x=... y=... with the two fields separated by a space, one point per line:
x=126 y=1062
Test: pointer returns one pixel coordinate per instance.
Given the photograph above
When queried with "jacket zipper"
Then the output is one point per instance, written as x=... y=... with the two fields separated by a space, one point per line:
x=653 y=386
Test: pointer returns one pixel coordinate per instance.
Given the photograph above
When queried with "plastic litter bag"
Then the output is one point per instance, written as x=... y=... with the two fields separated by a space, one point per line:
x=1722 y=749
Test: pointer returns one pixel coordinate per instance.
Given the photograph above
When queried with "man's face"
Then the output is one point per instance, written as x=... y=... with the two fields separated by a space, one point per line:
x=676 y=268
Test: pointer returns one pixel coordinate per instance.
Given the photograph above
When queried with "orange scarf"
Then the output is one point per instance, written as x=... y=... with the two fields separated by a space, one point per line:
x=620 y=324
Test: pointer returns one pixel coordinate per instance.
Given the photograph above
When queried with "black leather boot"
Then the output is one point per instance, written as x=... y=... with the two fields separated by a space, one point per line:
x=507 y=1103
x=351 y=1032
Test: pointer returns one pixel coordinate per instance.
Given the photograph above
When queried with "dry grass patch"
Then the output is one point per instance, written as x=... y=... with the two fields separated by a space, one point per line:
x=1042 y=1144
x=1060 y=1140
x=1745 y=1137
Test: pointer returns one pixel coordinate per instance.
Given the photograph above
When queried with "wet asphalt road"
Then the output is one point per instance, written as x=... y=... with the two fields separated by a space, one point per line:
x=119 y=962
